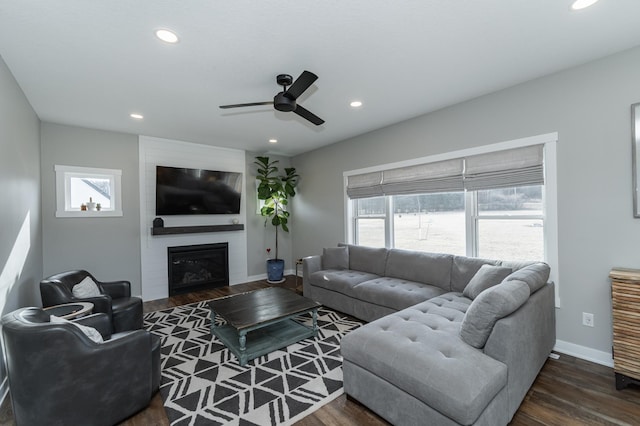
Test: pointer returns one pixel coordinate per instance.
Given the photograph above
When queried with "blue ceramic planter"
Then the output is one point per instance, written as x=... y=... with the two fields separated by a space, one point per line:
x=275 y=269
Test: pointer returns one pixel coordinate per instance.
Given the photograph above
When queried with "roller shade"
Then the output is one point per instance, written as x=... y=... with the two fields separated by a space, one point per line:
x=365 y=185
x=442 y=176
x=503 y=169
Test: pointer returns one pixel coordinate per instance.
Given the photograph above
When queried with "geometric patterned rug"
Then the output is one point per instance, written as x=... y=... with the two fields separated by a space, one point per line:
x=203 y=383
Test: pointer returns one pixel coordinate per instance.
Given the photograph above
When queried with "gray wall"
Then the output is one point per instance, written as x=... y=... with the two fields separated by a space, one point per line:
x=21 y=229
x=260 y=237
x=107 y=247
x=589 y=107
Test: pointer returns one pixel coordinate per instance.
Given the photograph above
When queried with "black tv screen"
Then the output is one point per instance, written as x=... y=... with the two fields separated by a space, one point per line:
x=181 y=191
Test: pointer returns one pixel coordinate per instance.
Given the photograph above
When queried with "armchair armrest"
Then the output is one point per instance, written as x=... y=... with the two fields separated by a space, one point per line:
x=116 y=289
x=100 y=322
x=101 y=303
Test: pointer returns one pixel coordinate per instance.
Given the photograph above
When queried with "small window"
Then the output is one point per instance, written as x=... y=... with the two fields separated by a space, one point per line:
x=87 y=192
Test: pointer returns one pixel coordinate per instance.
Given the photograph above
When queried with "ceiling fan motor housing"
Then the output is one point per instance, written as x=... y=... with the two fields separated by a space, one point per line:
x=284 y=80
x=282 y=103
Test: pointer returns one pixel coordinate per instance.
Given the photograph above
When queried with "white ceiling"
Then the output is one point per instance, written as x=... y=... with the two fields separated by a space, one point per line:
x=92 y=63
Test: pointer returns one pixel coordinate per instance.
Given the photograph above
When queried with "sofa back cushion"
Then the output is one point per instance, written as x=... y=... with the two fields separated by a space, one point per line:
x=422 y=267
x=367 y=259
x=487 y=276
x=491 y=305
x=335 y=258
x=464 y=268
x=535 y=275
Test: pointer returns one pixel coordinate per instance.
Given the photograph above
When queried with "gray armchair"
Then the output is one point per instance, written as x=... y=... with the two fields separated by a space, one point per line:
x=58 y=376
x=124 y=311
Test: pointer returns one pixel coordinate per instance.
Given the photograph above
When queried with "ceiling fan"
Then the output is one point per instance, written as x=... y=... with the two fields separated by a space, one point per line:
x=286 y=100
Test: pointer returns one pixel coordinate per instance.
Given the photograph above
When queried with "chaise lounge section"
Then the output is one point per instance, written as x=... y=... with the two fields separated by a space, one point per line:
x=451 y=340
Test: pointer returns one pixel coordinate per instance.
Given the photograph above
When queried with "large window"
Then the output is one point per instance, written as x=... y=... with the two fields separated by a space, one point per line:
x=505 y=223
x=497 y=202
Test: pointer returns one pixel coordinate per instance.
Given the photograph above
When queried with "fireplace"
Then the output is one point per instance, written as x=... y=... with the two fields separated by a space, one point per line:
x=198 y=267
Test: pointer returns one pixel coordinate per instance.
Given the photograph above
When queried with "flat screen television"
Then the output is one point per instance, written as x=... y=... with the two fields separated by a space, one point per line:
x=181 y=191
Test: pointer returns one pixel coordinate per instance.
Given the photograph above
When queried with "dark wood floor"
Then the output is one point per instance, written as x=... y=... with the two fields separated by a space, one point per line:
x=568 y=391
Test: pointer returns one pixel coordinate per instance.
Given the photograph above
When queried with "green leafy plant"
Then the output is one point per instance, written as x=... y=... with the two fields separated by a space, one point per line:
x=276 y=190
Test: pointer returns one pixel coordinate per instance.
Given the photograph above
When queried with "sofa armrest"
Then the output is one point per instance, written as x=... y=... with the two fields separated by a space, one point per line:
x=310 y=264
x=523 y=341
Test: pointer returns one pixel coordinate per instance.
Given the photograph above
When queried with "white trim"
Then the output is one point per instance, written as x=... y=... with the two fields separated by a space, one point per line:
x=583 y=352
x=550 y=213
x=348 y=214
x=262 y=277
x=500 y=146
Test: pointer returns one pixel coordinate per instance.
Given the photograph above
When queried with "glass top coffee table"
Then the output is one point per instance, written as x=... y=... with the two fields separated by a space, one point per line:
x=261 y=321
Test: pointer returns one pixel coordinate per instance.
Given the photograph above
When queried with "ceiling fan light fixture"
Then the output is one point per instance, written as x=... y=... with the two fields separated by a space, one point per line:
x=355 y=104
x=167 y=36
x=582 y=4
x=136 y=116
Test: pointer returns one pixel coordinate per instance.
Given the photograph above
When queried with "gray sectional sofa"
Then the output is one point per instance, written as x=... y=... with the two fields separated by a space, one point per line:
x=451 y=340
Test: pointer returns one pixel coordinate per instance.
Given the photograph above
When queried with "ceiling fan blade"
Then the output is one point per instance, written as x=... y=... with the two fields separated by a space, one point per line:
x=246 y=105
x=303 y=82
x=308 y=115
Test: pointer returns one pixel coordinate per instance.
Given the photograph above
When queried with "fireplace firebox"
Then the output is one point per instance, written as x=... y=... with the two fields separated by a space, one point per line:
x=198 y=267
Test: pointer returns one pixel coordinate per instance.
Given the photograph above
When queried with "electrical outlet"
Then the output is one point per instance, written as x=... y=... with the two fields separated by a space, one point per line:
x=587 y=319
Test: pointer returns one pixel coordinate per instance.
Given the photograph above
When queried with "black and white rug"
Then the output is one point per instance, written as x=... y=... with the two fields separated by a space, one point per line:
x=203 y=384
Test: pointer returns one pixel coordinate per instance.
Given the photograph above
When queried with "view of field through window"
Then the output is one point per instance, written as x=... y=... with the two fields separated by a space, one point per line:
x=509 y=223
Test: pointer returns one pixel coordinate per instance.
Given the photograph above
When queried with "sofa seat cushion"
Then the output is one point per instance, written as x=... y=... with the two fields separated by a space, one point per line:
x=417 y=352
x=395 y=293
x=452 y=306
x=340 y=280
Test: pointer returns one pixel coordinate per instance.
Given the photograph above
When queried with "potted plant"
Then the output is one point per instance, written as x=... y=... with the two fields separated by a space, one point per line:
x=275 y=189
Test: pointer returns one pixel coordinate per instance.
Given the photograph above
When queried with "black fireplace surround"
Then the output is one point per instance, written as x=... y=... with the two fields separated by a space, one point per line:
x=198 y=267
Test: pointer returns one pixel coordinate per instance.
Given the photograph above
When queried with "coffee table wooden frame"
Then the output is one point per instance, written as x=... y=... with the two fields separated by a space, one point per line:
x=263 y=329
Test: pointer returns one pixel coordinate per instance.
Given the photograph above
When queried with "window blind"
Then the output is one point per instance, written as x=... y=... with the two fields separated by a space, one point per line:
x=442 y=176
x=498 y=169
x=365 y=185
x=503 y=169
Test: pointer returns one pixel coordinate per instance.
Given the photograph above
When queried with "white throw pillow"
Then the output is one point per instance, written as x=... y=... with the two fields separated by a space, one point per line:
x=90 y=332
x=86 y=288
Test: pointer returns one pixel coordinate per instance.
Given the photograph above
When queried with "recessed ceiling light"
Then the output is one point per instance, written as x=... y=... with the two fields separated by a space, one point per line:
x=136 y=116
x=582 y=4
x=167 y=36
x=273 y=140
x=356 y=104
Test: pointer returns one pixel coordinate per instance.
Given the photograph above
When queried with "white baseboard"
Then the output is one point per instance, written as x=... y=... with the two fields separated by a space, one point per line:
x=264 y=276
x=583 y=352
